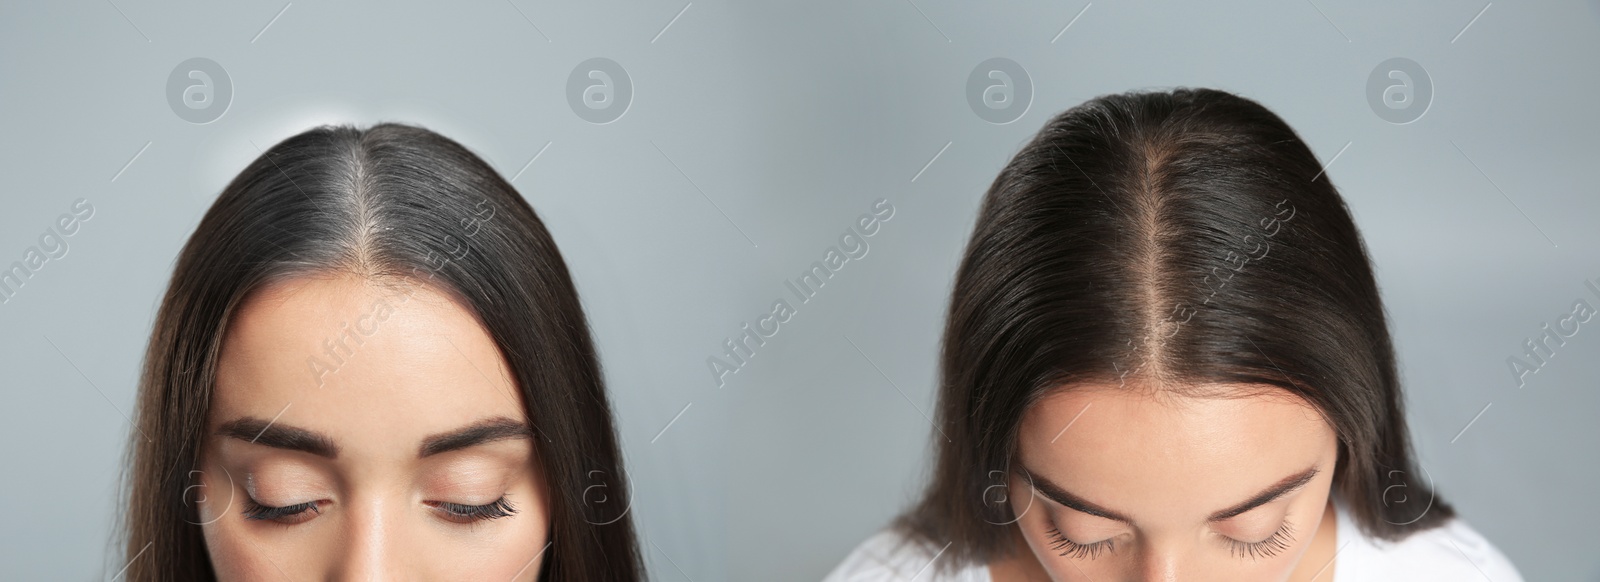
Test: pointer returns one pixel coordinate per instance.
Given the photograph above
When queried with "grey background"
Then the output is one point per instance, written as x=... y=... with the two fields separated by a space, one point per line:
x=757 y=132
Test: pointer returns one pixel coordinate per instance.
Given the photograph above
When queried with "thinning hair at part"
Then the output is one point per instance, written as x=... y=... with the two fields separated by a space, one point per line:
x=1170 y=242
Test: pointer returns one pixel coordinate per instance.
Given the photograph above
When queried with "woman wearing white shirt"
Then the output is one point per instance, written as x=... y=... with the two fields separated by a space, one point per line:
x=1166 y=359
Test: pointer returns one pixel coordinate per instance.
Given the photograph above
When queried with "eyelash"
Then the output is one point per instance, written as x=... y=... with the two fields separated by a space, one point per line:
x=1277 y=542
x=258 y=511
x=1075 y=550
x=456 y=512
x=460 y=513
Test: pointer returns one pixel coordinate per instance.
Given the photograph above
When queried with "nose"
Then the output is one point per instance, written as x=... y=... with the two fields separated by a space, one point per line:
x=1159 y=564
x=373 y=549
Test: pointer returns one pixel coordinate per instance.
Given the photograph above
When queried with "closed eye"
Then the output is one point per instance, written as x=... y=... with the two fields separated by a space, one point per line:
x=1075 y=550
x=462 y=513
x=1279 y=540
x=287 y=514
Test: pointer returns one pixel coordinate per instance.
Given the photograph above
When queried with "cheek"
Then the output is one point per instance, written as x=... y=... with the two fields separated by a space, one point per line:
x=510 y=548
x=520 y=559
x=235 y=556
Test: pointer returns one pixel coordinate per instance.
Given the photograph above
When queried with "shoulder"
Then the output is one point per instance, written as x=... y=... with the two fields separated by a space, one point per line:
x=890 y=555
x=1452 y=551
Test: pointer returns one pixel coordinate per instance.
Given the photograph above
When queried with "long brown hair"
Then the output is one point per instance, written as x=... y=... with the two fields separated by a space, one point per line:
x=392 y=203
x=1186 y=237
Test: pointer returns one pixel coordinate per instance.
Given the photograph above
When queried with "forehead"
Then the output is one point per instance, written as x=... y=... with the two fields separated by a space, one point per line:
x=345 y=356
x=1139 y=452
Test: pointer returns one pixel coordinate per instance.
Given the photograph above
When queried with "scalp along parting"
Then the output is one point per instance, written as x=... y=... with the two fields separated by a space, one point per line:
x=1173 y=239
x=395 y=204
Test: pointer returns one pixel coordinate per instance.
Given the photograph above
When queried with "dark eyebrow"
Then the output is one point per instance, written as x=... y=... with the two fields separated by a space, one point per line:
x=1054 y=493
x=1279 y=489
x=279 y=436
x=483 y=431
x=1059 y=495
